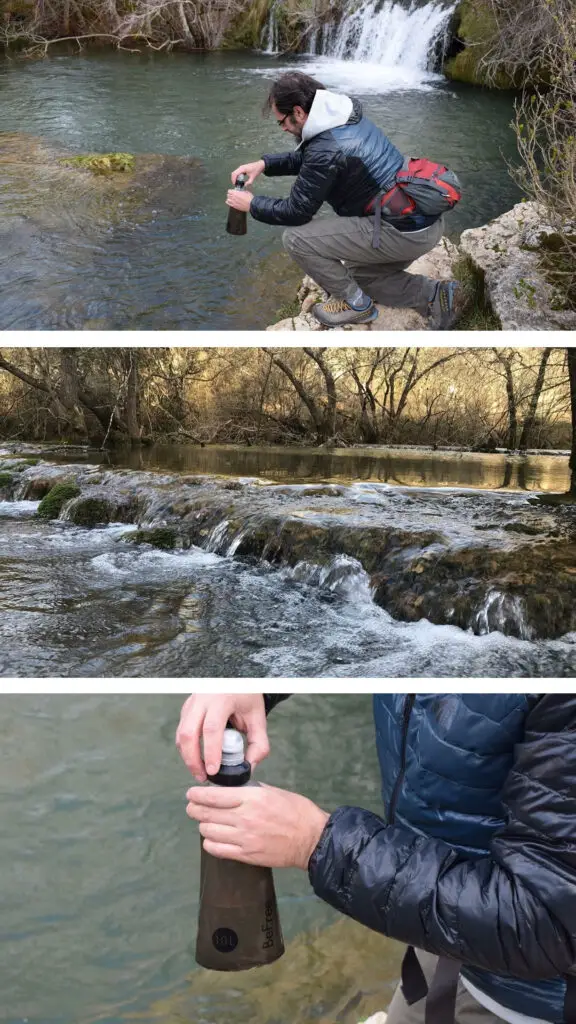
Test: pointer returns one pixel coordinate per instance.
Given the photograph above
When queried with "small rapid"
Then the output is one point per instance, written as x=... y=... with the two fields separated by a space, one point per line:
x=146 y=573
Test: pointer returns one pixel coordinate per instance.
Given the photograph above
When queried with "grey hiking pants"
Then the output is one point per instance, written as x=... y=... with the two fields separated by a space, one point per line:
x=337 y=253
x=468 y=1010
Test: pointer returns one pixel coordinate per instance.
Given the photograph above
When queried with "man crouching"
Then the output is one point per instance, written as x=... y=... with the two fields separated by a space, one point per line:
x=360 y=256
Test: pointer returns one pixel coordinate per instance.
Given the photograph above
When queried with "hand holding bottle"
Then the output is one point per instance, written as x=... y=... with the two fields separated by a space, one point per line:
x=250 y=170
x=260 y=825
x=204 y=716
x=239 y=199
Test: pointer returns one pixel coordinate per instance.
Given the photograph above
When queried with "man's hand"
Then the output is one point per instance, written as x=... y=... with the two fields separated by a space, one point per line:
x=239 y=199
x=252 y=170
x=259 y=825
x=206 y=715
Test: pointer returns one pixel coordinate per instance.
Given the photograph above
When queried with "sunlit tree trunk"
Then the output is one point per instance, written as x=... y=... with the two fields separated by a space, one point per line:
x=572 y=378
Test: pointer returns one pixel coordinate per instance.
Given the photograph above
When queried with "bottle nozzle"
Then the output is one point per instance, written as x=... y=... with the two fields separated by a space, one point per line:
x=232 y=747
x=241 y=181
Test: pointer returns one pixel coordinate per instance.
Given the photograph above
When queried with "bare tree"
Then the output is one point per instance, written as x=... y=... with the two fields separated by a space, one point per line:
x=571 y=352
x=157 y=24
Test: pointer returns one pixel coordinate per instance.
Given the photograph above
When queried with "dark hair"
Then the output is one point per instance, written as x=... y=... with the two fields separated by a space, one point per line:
x=294 y=89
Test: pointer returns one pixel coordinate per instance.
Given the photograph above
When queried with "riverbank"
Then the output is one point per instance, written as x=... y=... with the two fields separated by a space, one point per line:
x=502 y=271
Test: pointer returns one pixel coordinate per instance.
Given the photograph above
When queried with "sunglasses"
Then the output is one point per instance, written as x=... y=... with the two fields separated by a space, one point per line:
x=281 y=122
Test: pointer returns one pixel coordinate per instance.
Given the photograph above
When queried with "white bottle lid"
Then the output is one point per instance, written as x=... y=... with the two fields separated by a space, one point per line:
x=232 y=747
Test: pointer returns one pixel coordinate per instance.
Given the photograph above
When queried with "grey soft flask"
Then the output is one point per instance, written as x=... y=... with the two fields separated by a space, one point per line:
x=238 y=923
x=237 y=222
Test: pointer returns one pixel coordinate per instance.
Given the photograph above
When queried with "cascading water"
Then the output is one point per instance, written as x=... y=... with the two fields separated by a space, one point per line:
x=269 y=40
x=382 y=43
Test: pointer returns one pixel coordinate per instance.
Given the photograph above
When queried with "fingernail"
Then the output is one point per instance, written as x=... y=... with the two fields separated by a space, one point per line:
x=211 y=769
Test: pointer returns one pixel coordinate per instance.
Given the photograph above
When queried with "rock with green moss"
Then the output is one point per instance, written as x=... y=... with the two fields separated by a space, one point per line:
x=91 y=511
x=164 y=537
x=52 y=504
x=5 y=480
x=103 y=163
x=476 y=28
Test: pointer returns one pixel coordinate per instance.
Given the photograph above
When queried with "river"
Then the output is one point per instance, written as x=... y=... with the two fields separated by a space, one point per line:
x=74 y=256
x=275 y=562
x=100 y=869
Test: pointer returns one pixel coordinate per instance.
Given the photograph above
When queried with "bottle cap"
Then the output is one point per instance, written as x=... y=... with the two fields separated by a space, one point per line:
x=232 y=747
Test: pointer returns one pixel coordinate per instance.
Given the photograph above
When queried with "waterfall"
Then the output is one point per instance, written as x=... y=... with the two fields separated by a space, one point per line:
x=269 y=39
x=382 y=43
x=389 y=34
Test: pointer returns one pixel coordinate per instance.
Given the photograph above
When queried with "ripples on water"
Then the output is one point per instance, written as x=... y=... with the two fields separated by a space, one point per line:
x=100 y=868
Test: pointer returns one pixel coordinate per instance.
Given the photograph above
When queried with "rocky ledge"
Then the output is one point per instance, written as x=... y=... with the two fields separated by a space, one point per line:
x=501 y=265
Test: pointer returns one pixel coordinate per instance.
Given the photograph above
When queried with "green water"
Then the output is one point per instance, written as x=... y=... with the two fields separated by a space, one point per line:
x=170 y=264
x=100 y=865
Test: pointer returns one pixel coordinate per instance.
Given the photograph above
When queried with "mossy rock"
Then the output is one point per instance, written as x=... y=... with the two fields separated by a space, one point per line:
x=6 y=479
x=91 y=512
x=102 y=163
x=477 y=28
x=52 y=504
x=164 y=537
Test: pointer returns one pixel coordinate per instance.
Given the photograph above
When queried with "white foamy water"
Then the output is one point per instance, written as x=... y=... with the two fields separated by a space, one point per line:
x=343 y=576
x=140 y=563
x=18 y=509
x=375 y=47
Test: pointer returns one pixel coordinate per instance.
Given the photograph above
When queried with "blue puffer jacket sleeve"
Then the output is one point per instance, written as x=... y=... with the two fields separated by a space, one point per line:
x=276 y=164
x=315 y=180
x=513 y=912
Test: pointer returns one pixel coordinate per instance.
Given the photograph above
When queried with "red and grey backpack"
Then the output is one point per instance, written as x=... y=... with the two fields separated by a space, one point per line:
x=421 y=187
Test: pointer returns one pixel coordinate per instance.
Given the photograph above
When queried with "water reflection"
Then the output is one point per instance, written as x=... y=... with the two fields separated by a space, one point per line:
x=392 y=466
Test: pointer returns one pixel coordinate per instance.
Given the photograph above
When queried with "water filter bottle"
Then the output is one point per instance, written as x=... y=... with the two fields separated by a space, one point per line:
x=237 y=220
x=238 y=923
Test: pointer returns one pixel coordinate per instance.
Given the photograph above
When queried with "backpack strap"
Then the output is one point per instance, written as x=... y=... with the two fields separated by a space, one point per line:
x=440 y=995
x=570 y=1000
x=414 y=984
x=441 y=1001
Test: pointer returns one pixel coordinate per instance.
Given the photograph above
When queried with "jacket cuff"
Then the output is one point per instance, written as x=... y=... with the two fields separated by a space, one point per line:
x=272 y=699
x=333 y=866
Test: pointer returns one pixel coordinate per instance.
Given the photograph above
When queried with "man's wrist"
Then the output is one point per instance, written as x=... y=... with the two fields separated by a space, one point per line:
x=317 y=826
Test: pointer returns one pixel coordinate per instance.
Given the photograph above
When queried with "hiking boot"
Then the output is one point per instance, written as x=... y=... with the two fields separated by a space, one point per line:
x=337 y=313
x=446 y=306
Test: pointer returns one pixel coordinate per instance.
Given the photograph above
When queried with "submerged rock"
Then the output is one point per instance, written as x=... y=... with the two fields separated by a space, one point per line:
x=87 y=192
x=342 y=973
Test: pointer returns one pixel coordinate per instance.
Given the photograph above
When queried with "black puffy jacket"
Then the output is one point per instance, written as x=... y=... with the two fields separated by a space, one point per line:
x=476 y=859
x=345 y=166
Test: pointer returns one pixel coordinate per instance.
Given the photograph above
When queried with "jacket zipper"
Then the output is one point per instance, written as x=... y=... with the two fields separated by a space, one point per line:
x=406 y=712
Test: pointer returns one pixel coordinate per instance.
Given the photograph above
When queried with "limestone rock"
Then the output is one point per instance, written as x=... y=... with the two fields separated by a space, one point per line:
x=437 y=263
x=506 y=252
